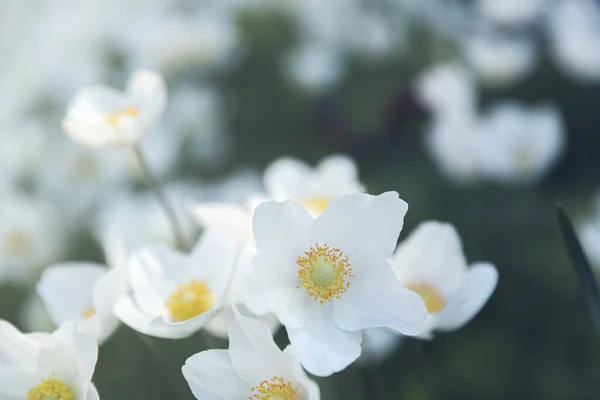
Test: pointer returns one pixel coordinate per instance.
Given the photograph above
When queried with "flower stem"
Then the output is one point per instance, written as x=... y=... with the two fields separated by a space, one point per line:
x=422 y=373
x=161 y=197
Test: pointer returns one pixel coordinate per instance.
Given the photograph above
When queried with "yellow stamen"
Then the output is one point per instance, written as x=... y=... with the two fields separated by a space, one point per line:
x=316 y=204
x=89 y=313
x=189 y=301
x=323 y=272
x=18 y=241
x=275 y=389
x=51 y=389
x=434 y=301
x=113 y=118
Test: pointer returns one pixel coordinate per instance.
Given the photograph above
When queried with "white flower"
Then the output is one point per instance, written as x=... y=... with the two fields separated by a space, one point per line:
x=289 y=178
x=31 y=236
x=44 y=366
x=328 y=278
x=100 y=116
x=314 y=67
x=589 y=234
x=499 y=60
x=252 y=368
x=431 y=262
x=574 y=27
x=377 y=345
x=520 y=144
x=512 y=12
x=83 y=293
x=174 y=295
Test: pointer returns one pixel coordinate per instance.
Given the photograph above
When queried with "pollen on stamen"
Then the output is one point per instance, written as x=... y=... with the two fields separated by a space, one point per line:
x=189 y=301
x=275 y=388
x=324 y=273
x=113 y=118
x=434 y=301
x=51 y=388
x=89 y=313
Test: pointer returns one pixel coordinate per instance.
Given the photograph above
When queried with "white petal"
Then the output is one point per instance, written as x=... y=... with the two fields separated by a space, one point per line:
x=340 y=174
x=84 y=349
x=432 y=254
x=254 y=355
x=476 y=290
x=219 y=324
x=213 y=258
x=16 y=348
x=231 y=218
x=287 y=178
x=281 y=225
x=115 y=248
x=272 y=287
x=15 y=383
x=149 y=94
x=149 y=282
x=92 y=393
x=321 y=346
x=109 y=288
x=376 y=299
x=210 y=375
x=128 y=312
x=67 y=289
x=359 y=224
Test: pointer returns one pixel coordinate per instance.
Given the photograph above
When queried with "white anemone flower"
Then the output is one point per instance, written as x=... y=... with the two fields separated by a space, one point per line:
x=31 y=236
x=47 y=366
x=289 y=178
x=84 y=293
x=512 y=12
x=520 y=144
x=499 y=60
x=101 y=116
x=173 y=295
x=328 y=278
x=253 y=368
x=431 y=263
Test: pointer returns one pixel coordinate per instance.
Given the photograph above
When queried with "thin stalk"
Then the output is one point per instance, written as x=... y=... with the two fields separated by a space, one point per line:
x=161 y=197
x=422 y=373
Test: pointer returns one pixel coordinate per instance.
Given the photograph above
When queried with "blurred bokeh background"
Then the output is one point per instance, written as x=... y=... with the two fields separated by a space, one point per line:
x=482 y=113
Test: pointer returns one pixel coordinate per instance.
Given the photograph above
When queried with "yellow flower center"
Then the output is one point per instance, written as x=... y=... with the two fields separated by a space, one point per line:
x=275 y=389
x=323 y=272
x=51 y=389
x=189 y=301
x=316 y=204
x=434 y=301
x=89 y=313
x=18 y=242
x=113 y=118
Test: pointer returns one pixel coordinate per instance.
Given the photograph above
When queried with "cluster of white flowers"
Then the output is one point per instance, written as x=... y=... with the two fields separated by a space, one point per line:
x=313 y=253
x=509 y=142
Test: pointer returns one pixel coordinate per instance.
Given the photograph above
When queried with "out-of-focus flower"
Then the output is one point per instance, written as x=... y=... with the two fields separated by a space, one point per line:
x=44 y=366
x=328 y=278
x=252 y=368
x=431 y=263
x=499 y=60
x=447 y=89
x=574 y=28
x=100 y=116
x=314 y=67
x=512 y=12
x=31 y=236
x=314 y=188
x=377 y=345
x=520 y=144
x=83 y=293
x=174 y=295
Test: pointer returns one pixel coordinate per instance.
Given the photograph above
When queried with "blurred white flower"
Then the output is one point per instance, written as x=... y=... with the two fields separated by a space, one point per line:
x=499 y=60
x=574 y=28
x=327 y=278
x=520 y=144
x=289 y=178
x=33 y=317
x=252 y=368
x=512 y=12
x=22 y=148
x=47 y=366
x=100 y=116
x=431 y=263
x=83 y=293
x=315 y=67
x=377 y=345
x=447 y=89
x=31 y=236
x=174 y=295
